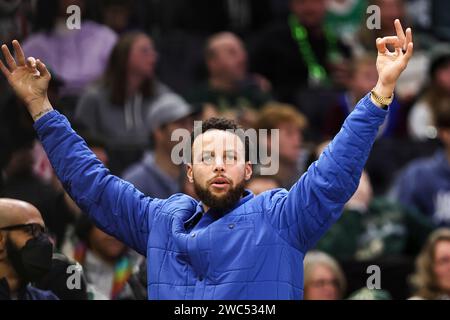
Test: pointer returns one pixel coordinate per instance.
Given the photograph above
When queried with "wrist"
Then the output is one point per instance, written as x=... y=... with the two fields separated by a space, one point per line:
x=38 y=108
x=384 y=90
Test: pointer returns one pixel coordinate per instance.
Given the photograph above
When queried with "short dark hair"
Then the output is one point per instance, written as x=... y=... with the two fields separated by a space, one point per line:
x=224 y=125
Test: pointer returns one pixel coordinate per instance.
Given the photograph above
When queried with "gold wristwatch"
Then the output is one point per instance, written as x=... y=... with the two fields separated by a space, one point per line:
x=381 y=101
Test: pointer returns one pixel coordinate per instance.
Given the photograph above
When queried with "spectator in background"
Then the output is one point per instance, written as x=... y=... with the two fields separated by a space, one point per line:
x=437 y=91
x=156 y=175
x=373 y=227
x=114 y=109
x=107 y=263
x=116 y=14
x=345 y=16
x=301 y=52
x=14 y=23
x=363 y=79
x=292 y=155
x=25 y=251
x=431 y=281
x=425 y=183
x=77 y=56
x=229 y=85
x=324 y=279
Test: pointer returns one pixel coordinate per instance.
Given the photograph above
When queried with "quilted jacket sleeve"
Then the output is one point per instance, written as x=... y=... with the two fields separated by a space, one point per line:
x=316 y=201
x=116 y=206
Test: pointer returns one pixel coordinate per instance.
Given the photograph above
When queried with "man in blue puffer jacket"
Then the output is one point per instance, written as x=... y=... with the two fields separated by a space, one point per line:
x=231 y=245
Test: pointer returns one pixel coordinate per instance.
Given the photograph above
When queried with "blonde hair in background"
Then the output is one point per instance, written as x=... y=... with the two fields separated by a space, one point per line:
x=314 y=258
x=423 y=280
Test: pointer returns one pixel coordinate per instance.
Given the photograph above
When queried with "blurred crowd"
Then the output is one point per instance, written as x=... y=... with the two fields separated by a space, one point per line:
x=137 y=70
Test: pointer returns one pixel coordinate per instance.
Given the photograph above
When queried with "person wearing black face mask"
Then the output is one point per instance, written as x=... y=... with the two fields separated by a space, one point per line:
x=25 y=251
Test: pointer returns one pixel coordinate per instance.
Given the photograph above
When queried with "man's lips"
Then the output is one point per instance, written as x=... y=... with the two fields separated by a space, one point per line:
x=219 y=182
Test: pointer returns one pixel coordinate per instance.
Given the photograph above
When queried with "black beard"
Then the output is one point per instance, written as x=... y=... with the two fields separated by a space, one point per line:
x=220 y=203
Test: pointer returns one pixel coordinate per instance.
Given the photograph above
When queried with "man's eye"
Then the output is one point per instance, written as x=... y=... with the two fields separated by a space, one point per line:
x=207 y=158
x=231 y=157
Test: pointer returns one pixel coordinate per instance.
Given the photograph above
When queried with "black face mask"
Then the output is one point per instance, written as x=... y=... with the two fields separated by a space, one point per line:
x=34 y=260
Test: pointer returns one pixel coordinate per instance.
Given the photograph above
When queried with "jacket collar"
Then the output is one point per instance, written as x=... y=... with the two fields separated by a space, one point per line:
x=192 y=221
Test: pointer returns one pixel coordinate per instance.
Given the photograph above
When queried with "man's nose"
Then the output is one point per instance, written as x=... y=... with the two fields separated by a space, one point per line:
x=219 y=165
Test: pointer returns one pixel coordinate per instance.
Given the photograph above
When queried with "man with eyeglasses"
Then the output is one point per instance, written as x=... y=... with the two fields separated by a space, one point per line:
x=25 y=251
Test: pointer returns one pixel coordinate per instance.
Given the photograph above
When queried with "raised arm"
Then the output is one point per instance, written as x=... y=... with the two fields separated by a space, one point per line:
x=115 y=205
x=316 y=201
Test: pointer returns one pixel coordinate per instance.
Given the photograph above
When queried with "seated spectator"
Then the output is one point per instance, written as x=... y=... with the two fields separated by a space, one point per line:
x=156 y=175
x=374 y=228
x=229 y=85
x=107 y=263
x=77 y=56
x=292 y=156
x=114 y=110
x=25 y=251
x=431 y=281
x=425 y=183
x=345 y=16
x=420 y=119
x=363 y=79
x=301 y=52
x=323 y=277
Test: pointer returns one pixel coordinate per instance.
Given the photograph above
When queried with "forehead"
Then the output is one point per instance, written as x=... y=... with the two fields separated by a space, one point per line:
x=225 y=42
x=442 y=248
x=218 y=141
x=14 y=212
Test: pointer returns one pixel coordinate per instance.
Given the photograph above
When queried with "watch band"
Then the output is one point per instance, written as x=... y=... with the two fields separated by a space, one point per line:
x=382 y=101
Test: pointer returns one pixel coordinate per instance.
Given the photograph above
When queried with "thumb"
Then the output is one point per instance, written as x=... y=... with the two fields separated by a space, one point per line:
x=43 y=70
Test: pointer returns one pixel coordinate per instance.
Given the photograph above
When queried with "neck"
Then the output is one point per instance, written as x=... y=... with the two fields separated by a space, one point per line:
x=165 y=163
x=134 y=83
x=222 y=84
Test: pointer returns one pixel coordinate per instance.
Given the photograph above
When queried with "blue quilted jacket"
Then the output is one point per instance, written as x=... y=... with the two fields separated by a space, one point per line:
x=253 y=251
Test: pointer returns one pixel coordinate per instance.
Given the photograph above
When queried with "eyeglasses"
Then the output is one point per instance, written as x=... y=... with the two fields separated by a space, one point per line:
x=33 y=229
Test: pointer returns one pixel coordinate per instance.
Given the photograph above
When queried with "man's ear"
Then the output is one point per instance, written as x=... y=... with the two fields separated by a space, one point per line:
x=248 y=170
x=189 y=172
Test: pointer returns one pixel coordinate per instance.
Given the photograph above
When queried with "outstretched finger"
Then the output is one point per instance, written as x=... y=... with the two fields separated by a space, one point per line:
x=4 y=69
x=400 y=34
x=19 y=53
x=409 y=52
x=408 y=37
x=43 y=69
x=9 y=58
